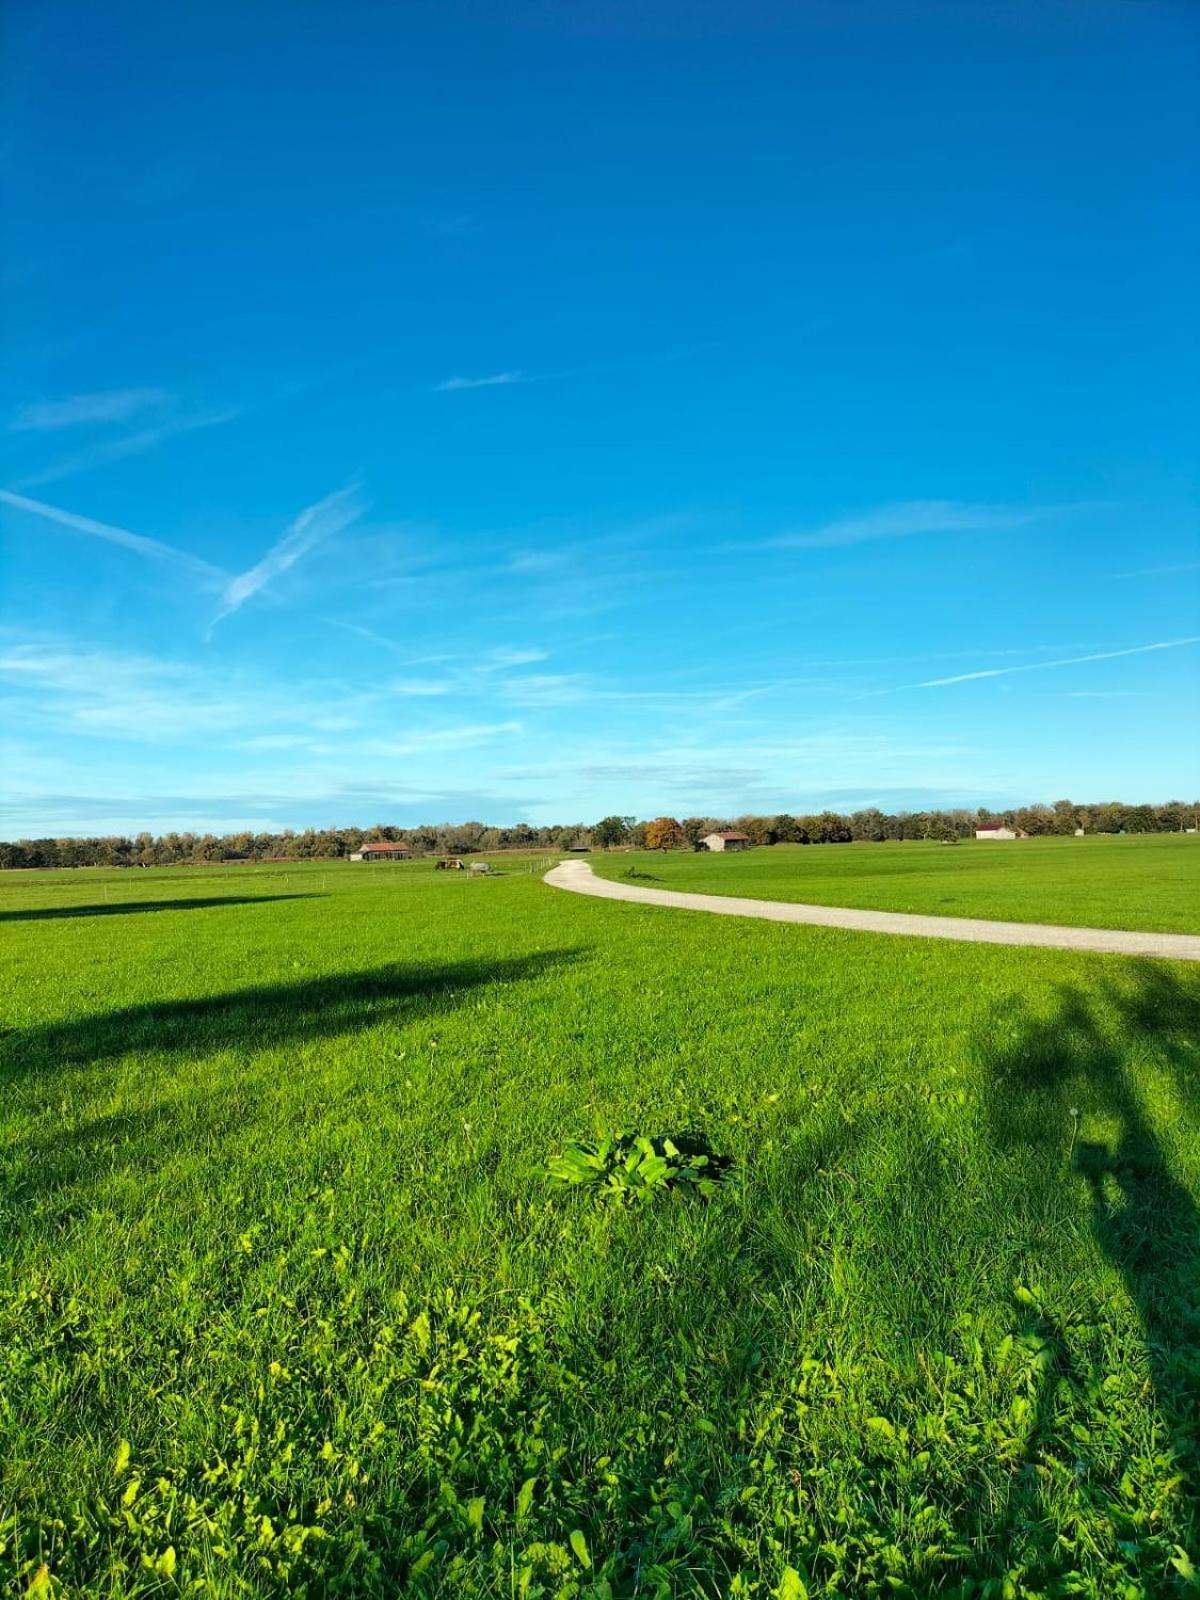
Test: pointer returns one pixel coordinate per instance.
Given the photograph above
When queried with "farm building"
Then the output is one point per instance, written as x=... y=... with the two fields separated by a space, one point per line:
x=730 y=839
x=999 y=830
x=381 y=852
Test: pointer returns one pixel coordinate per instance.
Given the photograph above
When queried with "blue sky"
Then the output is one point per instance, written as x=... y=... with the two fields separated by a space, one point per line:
x=529 y=410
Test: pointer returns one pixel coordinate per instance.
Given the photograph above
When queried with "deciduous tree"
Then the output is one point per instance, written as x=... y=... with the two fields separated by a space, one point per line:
x=665 y=833
x=610 y=831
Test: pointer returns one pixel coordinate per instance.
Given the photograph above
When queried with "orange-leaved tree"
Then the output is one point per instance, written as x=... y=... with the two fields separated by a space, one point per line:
x=664 y=833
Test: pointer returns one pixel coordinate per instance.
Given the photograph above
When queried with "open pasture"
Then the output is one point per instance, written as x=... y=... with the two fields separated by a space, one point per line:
x=1144 y=881
x=289 y=1303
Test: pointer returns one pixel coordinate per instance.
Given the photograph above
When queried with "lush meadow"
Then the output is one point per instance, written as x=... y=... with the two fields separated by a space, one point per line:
x=1149 y=881
x=290 y=1304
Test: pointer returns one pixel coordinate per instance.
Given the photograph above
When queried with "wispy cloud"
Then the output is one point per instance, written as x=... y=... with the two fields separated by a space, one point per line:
x=103 y=692
x=152 y=549
x=489 y=382
x=1044 y=666
x=1162 y=572
x=222 y=804
x=108 y=405
x=276 y=741
x=464 y=675
x=424 y=741
x=591 y=369
x=905 y=520
x=90 y=690
x=421 y=688
x=131 y=444
x=364 y=633
x=547 y=689
x=505 y=656
x=490 y=676
x=315 y=524
x=389 y=644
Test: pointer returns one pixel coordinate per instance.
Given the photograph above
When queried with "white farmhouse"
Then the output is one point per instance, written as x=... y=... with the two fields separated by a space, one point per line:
x=998 y=830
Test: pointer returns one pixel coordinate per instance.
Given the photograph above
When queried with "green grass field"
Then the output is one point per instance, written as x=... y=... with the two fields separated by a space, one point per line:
x=289 y=1304
x=1151 y=881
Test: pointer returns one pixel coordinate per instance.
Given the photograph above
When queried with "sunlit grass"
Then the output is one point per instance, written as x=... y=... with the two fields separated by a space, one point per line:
x=290 y=1302
x=1147 y=881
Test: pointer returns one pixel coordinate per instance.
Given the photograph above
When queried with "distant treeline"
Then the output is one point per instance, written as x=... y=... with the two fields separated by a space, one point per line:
x=827 y=827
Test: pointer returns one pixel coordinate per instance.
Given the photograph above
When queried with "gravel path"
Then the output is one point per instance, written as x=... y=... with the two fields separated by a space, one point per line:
x=580 y=879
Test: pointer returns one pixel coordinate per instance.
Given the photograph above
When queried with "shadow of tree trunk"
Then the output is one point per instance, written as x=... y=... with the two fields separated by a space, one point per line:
x=1078 y=1097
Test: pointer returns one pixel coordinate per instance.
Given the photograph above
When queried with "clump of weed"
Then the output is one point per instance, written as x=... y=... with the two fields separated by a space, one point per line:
x=630 y=1168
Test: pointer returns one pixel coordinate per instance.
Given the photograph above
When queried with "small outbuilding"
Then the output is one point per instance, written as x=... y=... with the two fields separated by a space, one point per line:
x=728 y=839
x=381 y=852
x=999 y=830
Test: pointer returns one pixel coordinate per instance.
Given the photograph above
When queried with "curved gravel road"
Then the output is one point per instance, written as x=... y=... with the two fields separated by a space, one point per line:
x=580 y=879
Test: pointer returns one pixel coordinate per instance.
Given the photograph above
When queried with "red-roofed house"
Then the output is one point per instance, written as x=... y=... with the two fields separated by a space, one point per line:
x=999 y=830
x=381 y=852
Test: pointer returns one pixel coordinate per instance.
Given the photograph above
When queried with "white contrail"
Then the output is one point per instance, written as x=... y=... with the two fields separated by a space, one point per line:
x=314 y=524
x=152 y=549
x=1038 y=666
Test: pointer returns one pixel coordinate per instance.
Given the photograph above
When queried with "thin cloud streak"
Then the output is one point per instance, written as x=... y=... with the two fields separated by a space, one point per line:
x=489 y=382
x=1161 y=572
x=390 y=644
x=443 y=739
x=152 y=549
x=1041 y=666
x=313 y=526
x=504 y=657
x=594 y=369
x=134 y=444
x=905 y=520
x=421 y=688
x=108 y=405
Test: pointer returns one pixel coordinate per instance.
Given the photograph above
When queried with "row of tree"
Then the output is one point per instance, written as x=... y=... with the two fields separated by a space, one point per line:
x=871 y=824
x=660 y=833
x=319 y=844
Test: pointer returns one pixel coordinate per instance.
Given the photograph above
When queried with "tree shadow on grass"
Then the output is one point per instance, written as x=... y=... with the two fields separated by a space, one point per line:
x=271 y=1014
x=741 y=1283
x=66 y=1164
x=1079 y=1067
x=119 y=908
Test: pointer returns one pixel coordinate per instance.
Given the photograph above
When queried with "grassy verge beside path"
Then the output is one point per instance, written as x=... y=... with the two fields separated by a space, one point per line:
x=1148 y=881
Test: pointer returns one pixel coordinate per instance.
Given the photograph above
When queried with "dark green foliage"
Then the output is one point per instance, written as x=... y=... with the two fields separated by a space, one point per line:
x=630 y=1168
